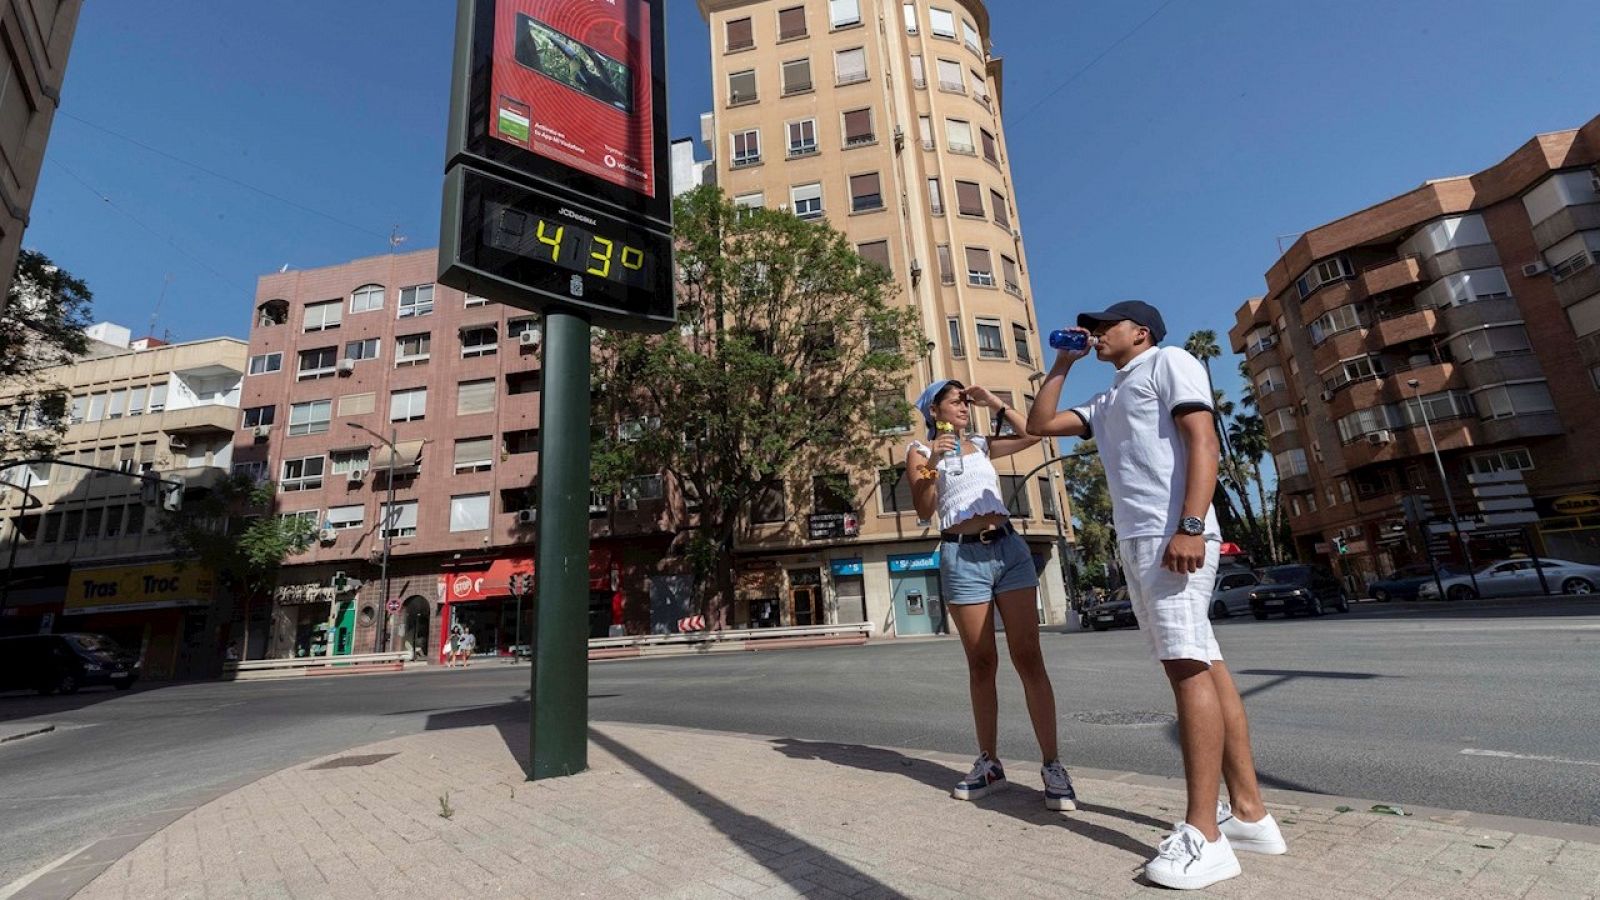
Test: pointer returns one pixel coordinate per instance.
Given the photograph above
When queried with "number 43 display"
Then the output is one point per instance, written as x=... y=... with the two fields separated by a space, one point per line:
x=569 y=246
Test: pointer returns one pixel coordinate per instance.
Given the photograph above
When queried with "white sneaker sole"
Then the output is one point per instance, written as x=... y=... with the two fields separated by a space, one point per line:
x=1264 y=848
x=977 y=793
x=1061 y=804
x=1192 y=882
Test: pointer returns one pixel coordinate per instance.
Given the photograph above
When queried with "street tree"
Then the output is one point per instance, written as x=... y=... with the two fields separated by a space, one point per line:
x=42 y=322
x=791 y=361
x=1090 y=497
x=231 y=532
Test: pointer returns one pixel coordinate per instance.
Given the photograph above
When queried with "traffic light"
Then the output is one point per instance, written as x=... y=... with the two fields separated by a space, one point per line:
x=1340 y=545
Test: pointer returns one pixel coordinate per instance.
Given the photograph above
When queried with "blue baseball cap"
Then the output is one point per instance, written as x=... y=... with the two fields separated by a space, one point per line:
x=1136 y=311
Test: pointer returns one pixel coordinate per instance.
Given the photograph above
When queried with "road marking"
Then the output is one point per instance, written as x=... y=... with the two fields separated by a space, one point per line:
x=1502 y=754
x=16 y=887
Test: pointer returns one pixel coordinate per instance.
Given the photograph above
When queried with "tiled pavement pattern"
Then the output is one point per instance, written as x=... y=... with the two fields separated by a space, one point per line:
x=666 y=813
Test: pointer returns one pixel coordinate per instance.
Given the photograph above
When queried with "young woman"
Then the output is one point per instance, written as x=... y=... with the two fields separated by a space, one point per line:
x=983 y=565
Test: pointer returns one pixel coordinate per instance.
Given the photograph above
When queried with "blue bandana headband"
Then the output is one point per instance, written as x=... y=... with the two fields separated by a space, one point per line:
x=924 y=404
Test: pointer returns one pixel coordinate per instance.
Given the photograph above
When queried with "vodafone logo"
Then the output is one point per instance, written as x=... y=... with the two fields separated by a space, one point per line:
x=611 y=161
x=466 y=586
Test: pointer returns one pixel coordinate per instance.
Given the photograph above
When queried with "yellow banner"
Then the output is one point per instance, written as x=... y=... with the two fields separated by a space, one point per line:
x=128 y=588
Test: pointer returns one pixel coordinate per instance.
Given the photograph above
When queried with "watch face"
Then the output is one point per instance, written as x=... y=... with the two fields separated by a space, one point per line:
x=1192 y=525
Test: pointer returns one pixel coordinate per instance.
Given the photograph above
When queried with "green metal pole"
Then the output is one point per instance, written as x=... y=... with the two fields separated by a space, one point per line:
x=560 y=687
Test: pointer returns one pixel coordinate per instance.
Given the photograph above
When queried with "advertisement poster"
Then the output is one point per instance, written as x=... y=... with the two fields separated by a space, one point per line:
x=572 y=82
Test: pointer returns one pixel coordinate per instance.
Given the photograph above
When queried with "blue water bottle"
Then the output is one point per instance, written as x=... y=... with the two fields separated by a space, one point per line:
x=1071 y=341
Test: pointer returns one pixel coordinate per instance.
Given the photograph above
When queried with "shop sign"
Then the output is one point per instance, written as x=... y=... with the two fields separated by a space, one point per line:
x=833 y=525
x=918 y=562
x=846 y=566
x=130 y=588
x=303 y=594
x=1573 y=505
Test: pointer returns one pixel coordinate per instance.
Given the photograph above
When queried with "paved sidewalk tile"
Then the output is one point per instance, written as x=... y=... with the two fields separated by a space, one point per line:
x=667 y=813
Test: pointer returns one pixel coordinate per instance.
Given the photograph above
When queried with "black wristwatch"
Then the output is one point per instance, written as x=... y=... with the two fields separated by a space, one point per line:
x=1194 y=526
x=999 y=417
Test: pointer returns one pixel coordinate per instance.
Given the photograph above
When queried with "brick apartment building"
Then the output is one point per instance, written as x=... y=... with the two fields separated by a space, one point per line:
x=367 y=371
x=885 y=120
x=1481 y=289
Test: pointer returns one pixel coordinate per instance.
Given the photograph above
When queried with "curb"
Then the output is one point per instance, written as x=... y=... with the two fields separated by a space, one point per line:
x=19 y=735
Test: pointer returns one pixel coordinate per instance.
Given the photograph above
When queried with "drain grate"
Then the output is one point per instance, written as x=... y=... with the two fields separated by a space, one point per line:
x=353 y=762
x=1125 y=717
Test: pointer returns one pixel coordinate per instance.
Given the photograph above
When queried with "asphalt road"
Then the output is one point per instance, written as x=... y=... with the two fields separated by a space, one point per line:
x=1489 y=706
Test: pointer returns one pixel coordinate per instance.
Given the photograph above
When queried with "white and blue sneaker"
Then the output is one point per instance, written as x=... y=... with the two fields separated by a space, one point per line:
x=986 y=775
x=1058 y=792
x=1261 y=836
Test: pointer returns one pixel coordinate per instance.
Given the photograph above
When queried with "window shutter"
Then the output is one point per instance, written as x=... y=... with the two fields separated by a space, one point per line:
x=990 y=150
x=978 y=260
x=968 y=199
x=851 y=65
x=876 y=252
x=1001 y=217
x=946 y=265
x=791 y=22
x=740 y=34
x=475 y=397
x=357 y=404
x=472 y=451
x=857 y=126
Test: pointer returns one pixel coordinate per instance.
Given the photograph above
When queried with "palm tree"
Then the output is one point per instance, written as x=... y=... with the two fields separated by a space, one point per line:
x=1248 y=434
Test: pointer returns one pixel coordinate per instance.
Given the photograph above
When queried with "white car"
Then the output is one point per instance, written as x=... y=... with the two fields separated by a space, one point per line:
x=1518 y=578
x=1231 y=596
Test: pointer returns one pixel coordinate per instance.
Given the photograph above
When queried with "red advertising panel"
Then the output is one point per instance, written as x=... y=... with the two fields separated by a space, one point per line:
x=572 y=83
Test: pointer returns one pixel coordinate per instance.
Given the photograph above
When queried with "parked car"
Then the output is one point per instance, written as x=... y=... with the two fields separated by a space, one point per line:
x=1116 y=611
x=1518 y=578
x=1294 y=589
x=1404 y=582
x=48 y=663
x=1231 y=596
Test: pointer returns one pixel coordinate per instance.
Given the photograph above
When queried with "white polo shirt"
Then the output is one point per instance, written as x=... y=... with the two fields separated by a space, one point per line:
x=1144 y=454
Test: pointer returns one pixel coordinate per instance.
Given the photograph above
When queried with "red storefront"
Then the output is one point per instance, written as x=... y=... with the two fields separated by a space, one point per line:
x=480 y=600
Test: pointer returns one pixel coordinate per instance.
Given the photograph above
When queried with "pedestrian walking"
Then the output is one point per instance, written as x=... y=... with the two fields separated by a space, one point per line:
x=469 y=644
x=1157 y=438
x=985 y=565
x=452 y=646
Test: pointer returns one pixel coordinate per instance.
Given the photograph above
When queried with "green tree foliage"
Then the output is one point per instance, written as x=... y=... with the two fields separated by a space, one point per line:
x=791 y=357
x=41 y=325
x=1244 y=510
x=1090 y=498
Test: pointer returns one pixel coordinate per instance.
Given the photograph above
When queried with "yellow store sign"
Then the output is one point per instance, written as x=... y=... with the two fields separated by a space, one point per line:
x=128 y=588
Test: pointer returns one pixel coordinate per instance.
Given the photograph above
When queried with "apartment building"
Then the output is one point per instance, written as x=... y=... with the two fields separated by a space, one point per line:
x=367 y=380
x=1469 y=307
x=884 y=119
x=84 y=546
x=35 y=38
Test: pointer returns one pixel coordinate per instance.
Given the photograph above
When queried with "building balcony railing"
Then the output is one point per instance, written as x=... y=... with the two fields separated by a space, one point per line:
x=1569 y=220
x=1403 y=325
x=1384 y=277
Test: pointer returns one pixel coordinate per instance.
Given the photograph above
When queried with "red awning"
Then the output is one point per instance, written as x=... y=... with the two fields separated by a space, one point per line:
x=495 y=582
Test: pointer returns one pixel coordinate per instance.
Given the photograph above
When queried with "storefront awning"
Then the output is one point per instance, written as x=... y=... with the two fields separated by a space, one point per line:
x=407 y=458
x=495 y=581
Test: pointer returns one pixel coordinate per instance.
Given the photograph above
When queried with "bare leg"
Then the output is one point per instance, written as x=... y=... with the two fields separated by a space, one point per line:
x=1019 y=610
x=975 y=624
x=1238 y=763
x=1200 y=734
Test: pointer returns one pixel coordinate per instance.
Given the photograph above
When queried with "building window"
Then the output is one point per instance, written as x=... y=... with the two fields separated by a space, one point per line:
x=858 y=128
x=346 y=518
x=889 y=408
x=1260 y=340
x=317 y=363
x=412 y=349
x=272 y=313
x=474 y=397
x=950 y=77
x=969 y=199
x=1047 y=499
x=310 y=418
x=1488 y=341
x=399 y=522
x=1337 y=321
x=746 y=148
x=1505 y=400
x=958 y=348
x=935 y=197
x=877 y=253
x=474 y=300
x=1010 y=274
x=844 y=13
x=1291 y=463
x=265 y=363
x=1585 y=315
x=1326 y=272
x=942 y=23
x=481 y=340
x=894 y=492
x=408 y=405
x=850 y=66
x=991 y=345
x=796 y=76
x=831 y=494
x=346 y=462
x=803 y=137
x=324 y=316
x=792 y=23
x=947 y=268
x=807 y=199
x=769 y=506
x=1002 y=215
x=1269 y=381
x=958 y=136
x=357 y=404
x=1015 y=490
x=909 y=11
x=1019 y=339
x=980 y=267
x=1351 y=371
x=366 y=298
x=1573 y=255
x=742 y=87
x=865 y=194
x=969 y=36
x=520 y=442
x=1511 y=459
x=416 y=301
x=1440 y=406
x=744 y=204
x=1279 y=421
x=1001 y=425
x=474 y=455
x=304 y=474
x=919 y=75
x=362 y=349
x=740 y=34
x=259 y=416
x=469 y=512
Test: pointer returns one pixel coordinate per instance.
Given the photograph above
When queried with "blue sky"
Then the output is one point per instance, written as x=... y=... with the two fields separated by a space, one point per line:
x=1166 y=171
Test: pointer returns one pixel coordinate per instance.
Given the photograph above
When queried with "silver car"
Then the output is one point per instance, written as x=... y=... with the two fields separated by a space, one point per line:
x=1231 y=596
x=1518 y=578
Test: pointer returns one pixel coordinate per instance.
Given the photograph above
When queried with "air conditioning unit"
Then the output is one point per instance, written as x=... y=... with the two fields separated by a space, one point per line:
x=177 y=443
x=527 y=516
x=327 y=535
x=356 y=476
x=1327 y=396
x=1016 y=233
x=261 y=432
x=916 y=269
x=530 y=338
x=1534 y=268
x=346 y=366
x=1379 y=438
x=899 y=138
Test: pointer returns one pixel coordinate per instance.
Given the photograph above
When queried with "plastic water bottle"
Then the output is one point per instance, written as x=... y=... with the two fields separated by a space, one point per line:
x=957 y=465
x=1071 y=341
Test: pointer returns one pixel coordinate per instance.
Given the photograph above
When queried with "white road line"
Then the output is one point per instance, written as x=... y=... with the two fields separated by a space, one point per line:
x=16 y=887
x=1502 y=754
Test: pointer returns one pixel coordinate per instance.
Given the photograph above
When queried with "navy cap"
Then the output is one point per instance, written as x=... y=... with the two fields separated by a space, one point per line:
x=1136 y=311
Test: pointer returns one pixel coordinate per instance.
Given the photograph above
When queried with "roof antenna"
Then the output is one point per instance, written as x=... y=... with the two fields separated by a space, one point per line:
x=156 y=313
x=396 y=239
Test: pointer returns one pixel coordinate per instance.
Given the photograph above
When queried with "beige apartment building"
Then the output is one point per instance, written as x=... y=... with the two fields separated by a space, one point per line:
x=35 y=37
x=84 y=548
x=884 y=118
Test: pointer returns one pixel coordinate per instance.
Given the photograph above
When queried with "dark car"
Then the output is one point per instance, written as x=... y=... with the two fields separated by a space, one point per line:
x=48 y=663
x=1403 y=583
x=1116 y=611
x=1295 y=589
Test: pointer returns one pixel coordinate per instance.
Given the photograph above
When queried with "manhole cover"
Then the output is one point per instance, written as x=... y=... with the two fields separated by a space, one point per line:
x=1124 y=717
x=353 y=762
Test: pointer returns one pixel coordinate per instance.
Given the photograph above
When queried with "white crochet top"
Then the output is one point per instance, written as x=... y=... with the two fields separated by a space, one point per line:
x=973 y=492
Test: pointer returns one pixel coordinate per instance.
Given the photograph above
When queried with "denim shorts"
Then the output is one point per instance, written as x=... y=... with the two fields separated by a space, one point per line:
x=976 y=572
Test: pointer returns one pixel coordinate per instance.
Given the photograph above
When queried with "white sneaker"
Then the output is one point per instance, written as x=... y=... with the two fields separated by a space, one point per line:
x=1058 y=792
x=986 y=775
x=1189 y=862
x=1261 y=836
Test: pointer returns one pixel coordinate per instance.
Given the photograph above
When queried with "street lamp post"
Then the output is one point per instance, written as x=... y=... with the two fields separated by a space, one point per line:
x=1444 y=483
x=388 y=532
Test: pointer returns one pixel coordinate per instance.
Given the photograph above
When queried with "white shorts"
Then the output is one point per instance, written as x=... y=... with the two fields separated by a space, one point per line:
x=1171 y=608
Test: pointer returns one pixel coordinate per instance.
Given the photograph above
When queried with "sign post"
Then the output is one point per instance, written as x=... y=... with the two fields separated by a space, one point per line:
x=556 y=200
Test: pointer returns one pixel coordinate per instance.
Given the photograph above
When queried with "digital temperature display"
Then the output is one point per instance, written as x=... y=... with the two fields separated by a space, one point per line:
x=569 y=246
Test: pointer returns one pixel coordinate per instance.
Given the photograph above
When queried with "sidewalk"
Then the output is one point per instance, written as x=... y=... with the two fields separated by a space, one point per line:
x=674 y=813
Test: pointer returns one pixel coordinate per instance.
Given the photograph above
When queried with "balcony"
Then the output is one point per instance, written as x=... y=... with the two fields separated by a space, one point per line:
x=1276 y=400
x=1460 y=259
x=1551 y=231
x=1385 y=277
x=208 y=417
x=1579 y=286
x=1403 y=326
x=1330 y=297
x=1522 y=427
x=1501 y=367
x=1344 y=345
x=1296 y=484
x=1471 y=315
x=1406 y=442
